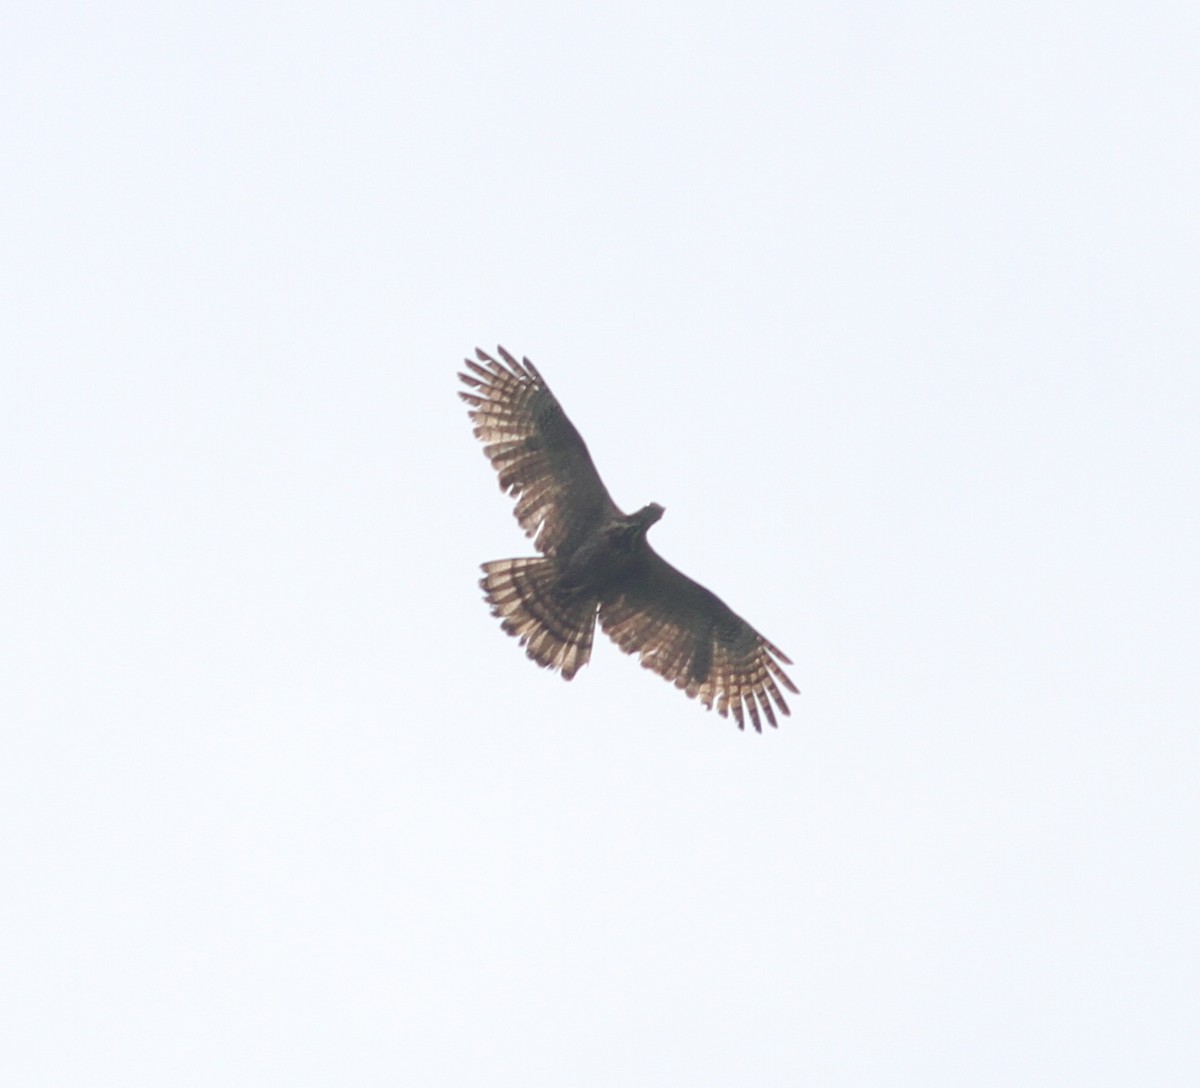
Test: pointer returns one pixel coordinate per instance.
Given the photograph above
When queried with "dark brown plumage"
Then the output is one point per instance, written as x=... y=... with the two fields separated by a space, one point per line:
x=597 y=563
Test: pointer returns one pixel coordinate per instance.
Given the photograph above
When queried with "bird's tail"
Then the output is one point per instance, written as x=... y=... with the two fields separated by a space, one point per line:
x=555 y=628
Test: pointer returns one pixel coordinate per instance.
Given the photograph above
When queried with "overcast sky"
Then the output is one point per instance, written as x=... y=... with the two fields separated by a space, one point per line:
x=892 y=307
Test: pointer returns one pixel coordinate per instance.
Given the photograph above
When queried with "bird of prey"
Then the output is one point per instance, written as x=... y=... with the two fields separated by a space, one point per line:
x=596 y=562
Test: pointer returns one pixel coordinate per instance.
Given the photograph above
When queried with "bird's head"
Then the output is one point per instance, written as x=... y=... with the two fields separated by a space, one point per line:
x=649 y=514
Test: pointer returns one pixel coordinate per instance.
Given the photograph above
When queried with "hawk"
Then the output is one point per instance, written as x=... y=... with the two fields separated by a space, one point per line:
x=596 y=562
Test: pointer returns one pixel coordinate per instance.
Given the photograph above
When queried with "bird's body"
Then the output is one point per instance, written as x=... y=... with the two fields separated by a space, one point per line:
x=610 y=554
x=597 y=562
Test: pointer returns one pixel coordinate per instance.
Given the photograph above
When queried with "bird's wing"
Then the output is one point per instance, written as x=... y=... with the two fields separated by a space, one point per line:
x=692 y=638
x=539 y=455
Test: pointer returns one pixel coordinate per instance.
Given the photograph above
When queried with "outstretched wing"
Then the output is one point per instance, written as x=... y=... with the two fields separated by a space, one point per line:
x=540 y=457
x=692 y=638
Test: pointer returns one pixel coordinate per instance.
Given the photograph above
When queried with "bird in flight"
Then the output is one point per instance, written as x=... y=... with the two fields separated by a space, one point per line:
x=596 y=562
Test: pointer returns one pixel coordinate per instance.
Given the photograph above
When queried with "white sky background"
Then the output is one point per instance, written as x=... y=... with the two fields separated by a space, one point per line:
x=893 y=308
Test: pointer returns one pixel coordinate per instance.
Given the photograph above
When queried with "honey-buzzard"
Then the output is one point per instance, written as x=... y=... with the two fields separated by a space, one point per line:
x=596 y=561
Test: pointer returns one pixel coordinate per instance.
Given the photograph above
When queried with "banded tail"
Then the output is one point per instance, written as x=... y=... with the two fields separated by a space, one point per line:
x=555 y=628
